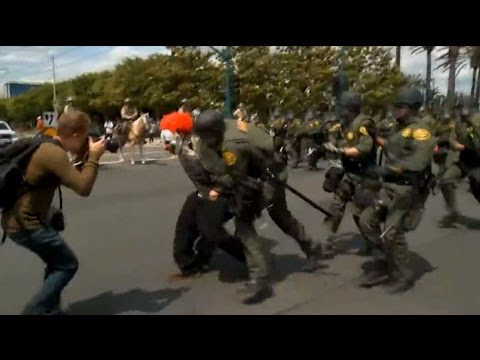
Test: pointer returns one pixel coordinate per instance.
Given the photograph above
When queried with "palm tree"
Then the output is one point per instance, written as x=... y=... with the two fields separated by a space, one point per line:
x=474 y=54
x=398 y=55
x=452 y=60
x=428 y=80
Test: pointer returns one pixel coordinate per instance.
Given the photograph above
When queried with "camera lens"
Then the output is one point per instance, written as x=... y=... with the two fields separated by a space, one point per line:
x=112 y=146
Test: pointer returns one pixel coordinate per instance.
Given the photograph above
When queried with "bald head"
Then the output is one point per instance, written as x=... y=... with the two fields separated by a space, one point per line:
x=73 y=122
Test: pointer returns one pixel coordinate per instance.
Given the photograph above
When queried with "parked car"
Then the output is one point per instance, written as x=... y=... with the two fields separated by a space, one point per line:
x=7 y=135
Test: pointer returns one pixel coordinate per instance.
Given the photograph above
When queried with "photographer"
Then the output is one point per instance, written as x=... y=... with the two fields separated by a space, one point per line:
x=29 y=223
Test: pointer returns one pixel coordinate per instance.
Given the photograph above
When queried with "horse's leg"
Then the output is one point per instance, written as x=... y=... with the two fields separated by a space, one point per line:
x=140 y=146
x=120 y=153
x=132 y=152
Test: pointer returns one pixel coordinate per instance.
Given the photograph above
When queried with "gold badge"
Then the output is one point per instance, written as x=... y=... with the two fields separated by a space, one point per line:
x=229 y=158
x=421 y=134
x=363 y=131
x=407 y=132
x=350 y=136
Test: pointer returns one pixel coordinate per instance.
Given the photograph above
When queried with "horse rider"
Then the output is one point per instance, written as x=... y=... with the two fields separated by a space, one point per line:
x=184 y=106
x=129 y=114
x=69 y=106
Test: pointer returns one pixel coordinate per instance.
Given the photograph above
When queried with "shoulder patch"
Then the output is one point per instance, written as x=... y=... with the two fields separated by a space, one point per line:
x=363 y=130
x=335 y=127
x=407 y=132
x=421 y=134
x=229 y=158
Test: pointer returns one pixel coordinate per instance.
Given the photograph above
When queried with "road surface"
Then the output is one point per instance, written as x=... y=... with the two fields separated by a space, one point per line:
x=123 y=233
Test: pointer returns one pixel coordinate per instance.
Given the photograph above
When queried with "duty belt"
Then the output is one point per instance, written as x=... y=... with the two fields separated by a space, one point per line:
x=406 y=179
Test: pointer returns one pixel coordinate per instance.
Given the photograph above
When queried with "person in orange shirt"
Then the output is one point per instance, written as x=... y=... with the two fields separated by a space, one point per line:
x=45 y=130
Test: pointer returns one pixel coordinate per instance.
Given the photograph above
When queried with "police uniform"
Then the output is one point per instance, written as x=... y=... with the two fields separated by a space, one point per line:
x=359 y=134
x=279 y=128
x=247 y=154
x=384 y=129
x=316 y=139
x=466 y=132
x=405 y=183
x=200 y=222
x=295 y=137
x=444 y=156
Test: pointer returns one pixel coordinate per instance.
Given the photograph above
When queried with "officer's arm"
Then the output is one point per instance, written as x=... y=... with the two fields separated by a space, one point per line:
x=235 y=158
x=334 y=133
x=454 y=139
x=421 y=152
x=213 y=163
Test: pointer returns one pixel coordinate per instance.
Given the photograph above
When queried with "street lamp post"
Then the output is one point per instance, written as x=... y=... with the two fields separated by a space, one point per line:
x=226 y=55
x=341 y=82
x=54 y=85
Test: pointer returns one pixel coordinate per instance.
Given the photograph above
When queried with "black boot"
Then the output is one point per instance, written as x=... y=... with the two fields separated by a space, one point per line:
x=448 y=192
x=330 y=248
x=256 y=291
x=377 y=275
x=314 y=256
x=449 y=220
x=403 y=280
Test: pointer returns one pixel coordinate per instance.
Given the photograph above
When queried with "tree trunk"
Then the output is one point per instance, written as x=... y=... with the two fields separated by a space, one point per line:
x=474 y=80
x=398 y=55
x=452 y=60
x=428 y=92
x=477 y=91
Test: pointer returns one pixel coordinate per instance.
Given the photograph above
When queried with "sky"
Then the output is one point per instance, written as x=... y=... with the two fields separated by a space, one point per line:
x=33 y=63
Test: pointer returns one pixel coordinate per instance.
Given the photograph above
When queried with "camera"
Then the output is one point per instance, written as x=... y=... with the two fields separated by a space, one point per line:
x=57 y=219
x=111 y=145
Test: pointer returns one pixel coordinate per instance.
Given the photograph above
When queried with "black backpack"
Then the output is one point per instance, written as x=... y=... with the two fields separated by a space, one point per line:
x=13 y=161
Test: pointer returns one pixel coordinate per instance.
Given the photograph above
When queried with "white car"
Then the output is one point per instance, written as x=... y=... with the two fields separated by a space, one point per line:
x=7 y=135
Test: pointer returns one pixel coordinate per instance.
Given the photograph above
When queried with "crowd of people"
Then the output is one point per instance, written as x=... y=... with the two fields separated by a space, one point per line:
x=239 y=167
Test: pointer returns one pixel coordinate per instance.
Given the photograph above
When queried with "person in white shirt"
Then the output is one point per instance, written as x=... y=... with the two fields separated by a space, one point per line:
x=108 y=129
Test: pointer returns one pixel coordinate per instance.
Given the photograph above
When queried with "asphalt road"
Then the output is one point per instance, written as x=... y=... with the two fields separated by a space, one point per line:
x=123 y=233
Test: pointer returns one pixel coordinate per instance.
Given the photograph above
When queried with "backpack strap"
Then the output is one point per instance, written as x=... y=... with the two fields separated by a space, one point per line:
x=60 y=197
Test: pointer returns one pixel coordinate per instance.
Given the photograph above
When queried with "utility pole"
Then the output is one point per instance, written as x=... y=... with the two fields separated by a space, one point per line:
x=54 y=85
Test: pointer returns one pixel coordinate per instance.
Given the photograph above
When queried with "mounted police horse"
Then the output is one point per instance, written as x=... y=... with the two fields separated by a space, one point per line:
x=133 y=134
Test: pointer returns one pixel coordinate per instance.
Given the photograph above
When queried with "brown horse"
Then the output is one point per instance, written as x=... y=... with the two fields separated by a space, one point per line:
x=133 y=134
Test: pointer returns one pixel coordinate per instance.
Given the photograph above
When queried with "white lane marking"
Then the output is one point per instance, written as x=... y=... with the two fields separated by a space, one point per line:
x=137 y=161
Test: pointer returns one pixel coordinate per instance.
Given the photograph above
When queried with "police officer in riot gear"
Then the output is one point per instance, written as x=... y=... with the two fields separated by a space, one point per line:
x=248 y=154
x=200 y=222
x=357 y=151
x=405 y=184
x=465 y=139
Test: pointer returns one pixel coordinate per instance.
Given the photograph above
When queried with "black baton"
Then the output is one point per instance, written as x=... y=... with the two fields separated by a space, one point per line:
x=299 y=194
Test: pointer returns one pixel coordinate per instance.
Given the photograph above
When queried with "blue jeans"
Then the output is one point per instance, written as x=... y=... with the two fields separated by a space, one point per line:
x=62 y=264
